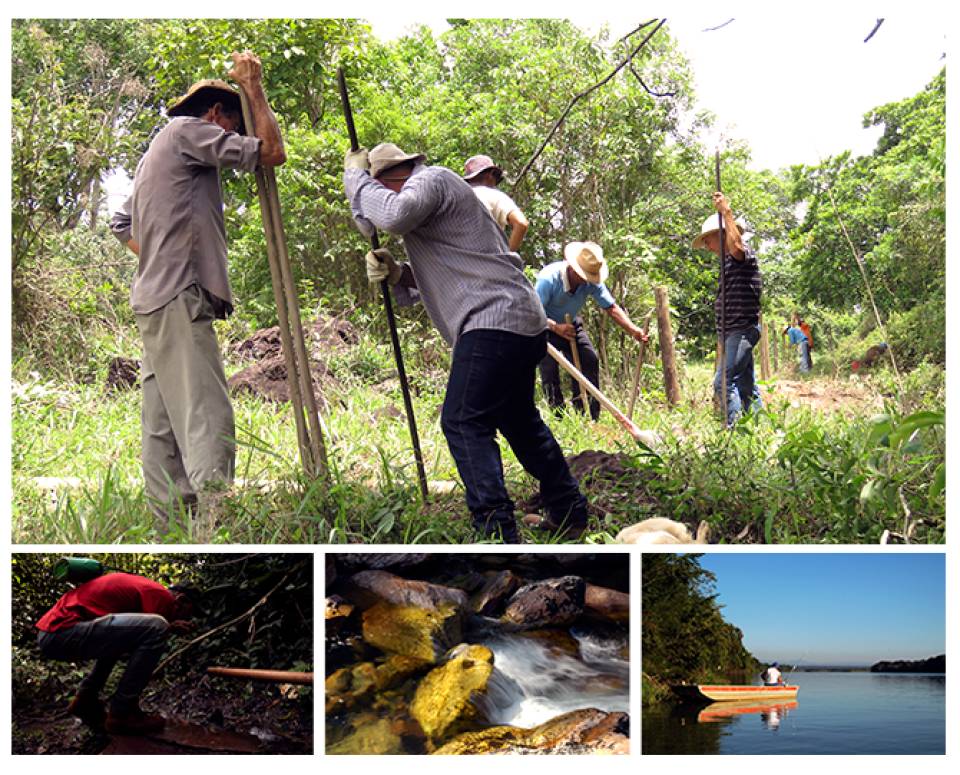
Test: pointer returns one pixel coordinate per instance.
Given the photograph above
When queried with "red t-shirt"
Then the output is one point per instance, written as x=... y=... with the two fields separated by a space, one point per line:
x=115 y=593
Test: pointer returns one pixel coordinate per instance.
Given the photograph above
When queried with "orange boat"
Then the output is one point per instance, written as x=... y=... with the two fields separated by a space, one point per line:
x=702 y=693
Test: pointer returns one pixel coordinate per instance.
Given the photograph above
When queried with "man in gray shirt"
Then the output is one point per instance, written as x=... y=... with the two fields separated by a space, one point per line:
x=174 y=223
x=477 y=296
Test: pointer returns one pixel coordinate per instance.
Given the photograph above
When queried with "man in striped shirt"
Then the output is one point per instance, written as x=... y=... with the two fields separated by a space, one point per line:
x=737 y=309
x=476 y=294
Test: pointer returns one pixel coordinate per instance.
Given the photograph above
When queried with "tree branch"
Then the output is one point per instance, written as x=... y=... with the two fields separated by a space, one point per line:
x=581 y=95
x=245 y=615
x=719 y=26
x=874 y=30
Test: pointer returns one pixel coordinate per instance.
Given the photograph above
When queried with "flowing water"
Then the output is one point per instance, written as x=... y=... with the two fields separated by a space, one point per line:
x=534 y=681
x=834 y=713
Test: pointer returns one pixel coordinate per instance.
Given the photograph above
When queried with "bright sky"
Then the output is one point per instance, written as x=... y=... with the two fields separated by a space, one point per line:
x=794 y=85
x=846 y=609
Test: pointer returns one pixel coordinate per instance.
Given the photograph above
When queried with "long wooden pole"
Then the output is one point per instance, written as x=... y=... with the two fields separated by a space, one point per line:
x=671 y=382
x=593 y=390
x=388 y=307
x=299 y=380
x=575 y=351
x=273 y=676
x=723 y=304
x=636 y=376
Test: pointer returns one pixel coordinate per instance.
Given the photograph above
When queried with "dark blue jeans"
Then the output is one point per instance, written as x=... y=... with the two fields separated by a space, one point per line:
x=490 y=389
x=742 y=391
x=138 y=638
x=589 y=365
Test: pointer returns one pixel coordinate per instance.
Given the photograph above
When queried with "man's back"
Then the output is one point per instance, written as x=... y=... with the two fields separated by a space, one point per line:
x=110 y=594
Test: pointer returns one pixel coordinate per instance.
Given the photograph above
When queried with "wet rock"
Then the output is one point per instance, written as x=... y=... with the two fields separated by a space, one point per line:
x=492 y=598
x=550 y=603
x=445 y=700
x=357 y=561
x=123 y=374
x=372 y=586
x=606 y=604
x=350 y=686
x=415 y=632
x=329 y=572
x=336 y=609
x=396 y=669
x=577 y=732
x=369 y=736
x=559 y=642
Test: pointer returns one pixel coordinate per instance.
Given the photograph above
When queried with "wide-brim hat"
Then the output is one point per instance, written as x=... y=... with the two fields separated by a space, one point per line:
x=587 y=260
x=710 y=227
x=386 y=155
x=224 y=91
x=479 y=164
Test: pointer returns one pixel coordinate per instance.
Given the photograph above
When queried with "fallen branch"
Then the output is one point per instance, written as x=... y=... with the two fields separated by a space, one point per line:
x=585 y=93
x=245 y=615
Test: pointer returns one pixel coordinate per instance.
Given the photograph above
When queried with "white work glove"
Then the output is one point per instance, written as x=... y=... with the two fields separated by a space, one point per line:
x=381 y=265
x=356 y=160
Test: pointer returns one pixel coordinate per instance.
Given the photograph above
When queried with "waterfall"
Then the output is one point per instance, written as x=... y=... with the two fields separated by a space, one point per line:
x=534 y=681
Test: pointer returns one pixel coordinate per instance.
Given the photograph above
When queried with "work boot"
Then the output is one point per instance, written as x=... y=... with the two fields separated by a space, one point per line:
x=498 y=528
x=87 y=707
x=136 y=722
x=566 y=530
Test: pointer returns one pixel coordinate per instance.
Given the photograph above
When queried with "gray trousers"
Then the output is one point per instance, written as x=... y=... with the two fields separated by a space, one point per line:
x=187 y=419
x=140 y=638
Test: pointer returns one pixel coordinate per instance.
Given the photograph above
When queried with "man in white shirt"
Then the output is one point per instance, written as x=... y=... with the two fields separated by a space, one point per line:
x=484 y=176
x=772 y=675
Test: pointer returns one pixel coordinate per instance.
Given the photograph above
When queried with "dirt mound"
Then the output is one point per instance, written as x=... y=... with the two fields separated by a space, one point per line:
x=123 y=374
x=267 y=379
x=320 y=336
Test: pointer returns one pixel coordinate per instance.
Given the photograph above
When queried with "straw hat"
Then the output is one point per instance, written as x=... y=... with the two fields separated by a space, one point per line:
x=478 y=164
x=587 y=260
x=386 y=155
x=710 y=227
x=229 y=96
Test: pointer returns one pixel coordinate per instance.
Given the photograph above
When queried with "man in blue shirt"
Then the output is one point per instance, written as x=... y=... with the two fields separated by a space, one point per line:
x=800 y=341
x=563 y=288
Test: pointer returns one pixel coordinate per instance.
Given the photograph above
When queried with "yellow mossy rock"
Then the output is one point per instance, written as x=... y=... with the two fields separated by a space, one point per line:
x=350 y=685
x=444 y=699
x=375 y=737
x=414 y=632
x=396 y=669
x=491 y=740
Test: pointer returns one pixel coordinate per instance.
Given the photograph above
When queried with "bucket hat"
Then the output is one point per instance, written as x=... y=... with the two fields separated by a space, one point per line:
x=386 y=155
x=710 y=227
x=478 y=164
x=587 y=260
x=229 y=95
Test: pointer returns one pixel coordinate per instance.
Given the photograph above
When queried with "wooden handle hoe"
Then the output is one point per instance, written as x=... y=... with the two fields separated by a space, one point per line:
x=576 y=362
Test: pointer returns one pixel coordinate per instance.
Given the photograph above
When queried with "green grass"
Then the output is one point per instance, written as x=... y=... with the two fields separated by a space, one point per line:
x=787 y=475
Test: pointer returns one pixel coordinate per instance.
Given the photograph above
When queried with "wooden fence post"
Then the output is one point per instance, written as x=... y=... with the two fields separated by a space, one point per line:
x=764 y=350
x=671 y=383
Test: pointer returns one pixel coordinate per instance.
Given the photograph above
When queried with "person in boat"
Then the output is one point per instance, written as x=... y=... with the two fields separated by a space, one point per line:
x=772 y=675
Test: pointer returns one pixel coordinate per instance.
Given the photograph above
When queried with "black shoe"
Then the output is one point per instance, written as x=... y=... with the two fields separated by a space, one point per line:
x=135 y=722
x=87 y=707
x=502 y=529
x=571 y=531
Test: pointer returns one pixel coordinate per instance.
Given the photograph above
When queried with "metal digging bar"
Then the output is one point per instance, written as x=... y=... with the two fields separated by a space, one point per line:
x=388 y=306
x=723 y=306
x=306 y=416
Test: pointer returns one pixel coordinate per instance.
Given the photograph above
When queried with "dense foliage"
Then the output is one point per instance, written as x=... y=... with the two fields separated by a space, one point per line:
x=685 y=637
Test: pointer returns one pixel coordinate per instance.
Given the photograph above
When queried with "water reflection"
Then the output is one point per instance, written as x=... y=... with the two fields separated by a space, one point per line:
x=771 y=713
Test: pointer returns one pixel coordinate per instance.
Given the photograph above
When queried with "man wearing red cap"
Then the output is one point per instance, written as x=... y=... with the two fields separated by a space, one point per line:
x=174 y=223
x=484 y=176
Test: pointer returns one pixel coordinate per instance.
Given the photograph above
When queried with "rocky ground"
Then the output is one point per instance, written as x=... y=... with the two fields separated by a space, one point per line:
x=414 y=651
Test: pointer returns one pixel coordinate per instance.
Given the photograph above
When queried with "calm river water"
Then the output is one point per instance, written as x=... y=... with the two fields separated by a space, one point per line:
x=835 y=713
